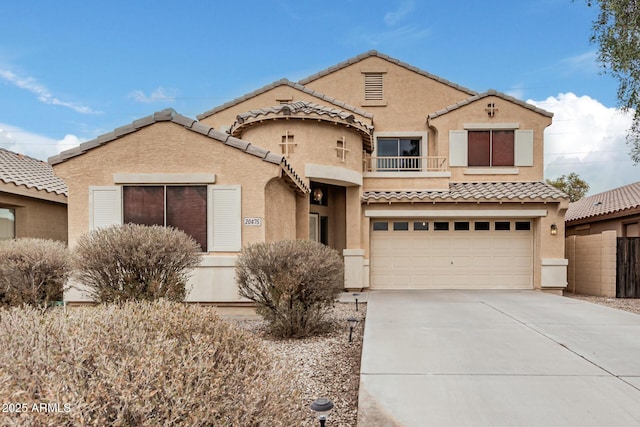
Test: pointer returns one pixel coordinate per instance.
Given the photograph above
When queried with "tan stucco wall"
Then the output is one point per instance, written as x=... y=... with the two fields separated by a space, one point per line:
x=315 y=143
x=166 y=147
x=37 y=218
x=508 y=112
x=269 y=98
x=280 y=211
x=390 y=181
x=592 y=264
x=409 y=96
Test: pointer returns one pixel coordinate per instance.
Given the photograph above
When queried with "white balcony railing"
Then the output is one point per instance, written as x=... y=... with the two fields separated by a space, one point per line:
x=405 y=164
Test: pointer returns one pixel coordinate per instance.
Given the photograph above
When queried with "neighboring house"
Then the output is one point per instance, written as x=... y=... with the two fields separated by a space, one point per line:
x=33 y=201
x=602 y=243
x=614 y=210
x=418 y=182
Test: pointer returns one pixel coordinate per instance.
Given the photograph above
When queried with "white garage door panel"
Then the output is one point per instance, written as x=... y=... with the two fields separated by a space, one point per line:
x=464 y=259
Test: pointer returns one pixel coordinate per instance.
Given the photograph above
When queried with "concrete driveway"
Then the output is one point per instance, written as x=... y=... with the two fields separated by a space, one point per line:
x=497 y=358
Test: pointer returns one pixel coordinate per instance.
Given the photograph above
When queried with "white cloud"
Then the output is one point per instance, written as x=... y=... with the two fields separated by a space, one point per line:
x=584 y=63
x=160 y=94
x=44 y=95
x=33 y=145
x=587 y=138
x=398 y=36
x=405 y=8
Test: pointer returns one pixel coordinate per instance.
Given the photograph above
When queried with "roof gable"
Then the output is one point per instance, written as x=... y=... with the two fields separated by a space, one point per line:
x=170 y=115
x=488 y=93
x=28 y=172
x=375 y=53
x=285 y=82
x=617 y=200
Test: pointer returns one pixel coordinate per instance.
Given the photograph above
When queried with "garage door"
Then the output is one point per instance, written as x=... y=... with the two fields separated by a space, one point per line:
x=451 y=254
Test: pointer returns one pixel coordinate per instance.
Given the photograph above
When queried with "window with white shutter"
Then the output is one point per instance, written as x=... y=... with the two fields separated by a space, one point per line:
x=524 y=148
x=212 y=215
x=458 y=148
x=225 y=218
x=105 y=206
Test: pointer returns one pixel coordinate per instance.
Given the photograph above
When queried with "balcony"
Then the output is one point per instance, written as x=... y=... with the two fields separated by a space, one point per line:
x=405 y=164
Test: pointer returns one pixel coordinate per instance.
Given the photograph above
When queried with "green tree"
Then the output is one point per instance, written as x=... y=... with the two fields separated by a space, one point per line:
x=617 y=33
x=572 y=184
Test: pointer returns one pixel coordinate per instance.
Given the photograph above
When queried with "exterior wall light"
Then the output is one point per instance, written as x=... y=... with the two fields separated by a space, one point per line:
x=322 y=406
x=554 y=229
x=317 y=195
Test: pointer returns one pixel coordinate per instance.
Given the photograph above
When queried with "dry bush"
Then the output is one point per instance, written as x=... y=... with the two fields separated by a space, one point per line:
x=140 y=364
x=293 y=283
x=135 y=262
x=32 y=271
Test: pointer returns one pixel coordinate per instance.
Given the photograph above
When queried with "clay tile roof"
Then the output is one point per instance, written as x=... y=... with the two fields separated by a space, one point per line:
x=171 y=115
x=605 y=203
x=29 y=172
x=304 y=109
x=371 y=53
x=285 y=82
x=490 y=92
x=474 y=191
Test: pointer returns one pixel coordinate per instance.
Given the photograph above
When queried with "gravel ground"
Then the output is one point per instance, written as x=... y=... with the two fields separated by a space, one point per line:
x=324 y=366
x=626 y=304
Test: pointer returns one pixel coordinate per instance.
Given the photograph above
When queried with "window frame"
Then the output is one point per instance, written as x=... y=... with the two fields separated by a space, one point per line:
x=224 y=210
x=11 y=212
x=474 y=151
x=397 y=162
x=171 y=217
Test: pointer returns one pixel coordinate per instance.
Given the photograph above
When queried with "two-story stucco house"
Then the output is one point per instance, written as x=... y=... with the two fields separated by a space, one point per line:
x=420 y=183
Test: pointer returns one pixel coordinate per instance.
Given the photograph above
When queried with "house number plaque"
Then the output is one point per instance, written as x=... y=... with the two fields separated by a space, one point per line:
x=253 y=222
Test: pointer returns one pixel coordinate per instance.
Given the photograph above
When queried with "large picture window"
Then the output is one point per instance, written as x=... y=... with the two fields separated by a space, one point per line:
x=491 y=148
x=182 y=207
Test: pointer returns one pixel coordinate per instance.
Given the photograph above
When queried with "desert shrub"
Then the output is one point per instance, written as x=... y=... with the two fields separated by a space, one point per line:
x=32 y=271
x=293 y=283
x=135 y=262
x=141 y=364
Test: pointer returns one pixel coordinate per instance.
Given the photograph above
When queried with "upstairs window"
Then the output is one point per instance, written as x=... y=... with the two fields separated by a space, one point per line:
x=398 y=154
x=491 y=148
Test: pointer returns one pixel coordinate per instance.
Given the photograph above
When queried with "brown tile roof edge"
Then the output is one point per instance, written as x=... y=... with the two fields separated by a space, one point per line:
x=375 y=53
x=285 y=82
x=171 y=115
x=480 y=96
x=474 y=191
x=605 y=203
x=28 y=172
x=303 y=109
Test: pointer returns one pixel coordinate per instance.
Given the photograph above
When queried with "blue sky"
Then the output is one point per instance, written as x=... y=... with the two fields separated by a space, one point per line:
x=72 y=70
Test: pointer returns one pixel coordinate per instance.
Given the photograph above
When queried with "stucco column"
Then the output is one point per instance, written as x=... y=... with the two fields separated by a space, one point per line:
x=553 y=264
x=354 y=254
x=302 y=217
